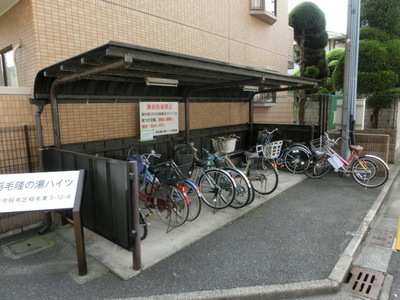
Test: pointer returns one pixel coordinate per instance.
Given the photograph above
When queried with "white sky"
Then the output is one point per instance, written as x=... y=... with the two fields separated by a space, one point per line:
x=335 y=13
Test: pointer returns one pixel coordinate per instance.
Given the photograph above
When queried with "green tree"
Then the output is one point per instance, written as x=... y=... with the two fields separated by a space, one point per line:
x=309 y=25
x=372 y=33
x=379 y=56
x=332 y=60
x=375 y=76
x=382 y=14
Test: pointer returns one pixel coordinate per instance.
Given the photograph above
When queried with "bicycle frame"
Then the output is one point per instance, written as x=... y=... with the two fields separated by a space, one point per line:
x=148 y=197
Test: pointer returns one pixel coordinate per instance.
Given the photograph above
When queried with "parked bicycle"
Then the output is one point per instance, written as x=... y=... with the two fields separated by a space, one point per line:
x=368 y=170
x=262 y=174
x=183 y=156
x=259 y=170
x=244 y=190
x=293 y=156
x=159 y=189
x=217 y=187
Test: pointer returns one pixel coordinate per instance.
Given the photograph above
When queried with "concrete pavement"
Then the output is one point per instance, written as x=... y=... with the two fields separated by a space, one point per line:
x=300 y=241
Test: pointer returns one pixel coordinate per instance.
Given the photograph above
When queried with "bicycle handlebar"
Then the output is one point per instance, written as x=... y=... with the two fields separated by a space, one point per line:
x=335 y=141
x=146 y=157
x=191 y=144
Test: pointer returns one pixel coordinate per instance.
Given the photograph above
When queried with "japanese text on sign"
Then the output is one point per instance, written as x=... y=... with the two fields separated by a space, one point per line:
x=158 y=118
x=38 y=191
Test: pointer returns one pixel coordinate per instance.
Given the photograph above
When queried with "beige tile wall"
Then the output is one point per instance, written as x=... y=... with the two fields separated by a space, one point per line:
x=106 y=121
x=16 y=111
x=54 y=30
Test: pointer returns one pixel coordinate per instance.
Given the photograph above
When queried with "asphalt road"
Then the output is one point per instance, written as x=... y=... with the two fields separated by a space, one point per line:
x=297 y=236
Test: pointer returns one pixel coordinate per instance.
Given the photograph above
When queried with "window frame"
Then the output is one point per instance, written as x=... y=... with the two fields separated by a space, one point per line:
x=5 y=78
x=258 y=9
x=265 y=99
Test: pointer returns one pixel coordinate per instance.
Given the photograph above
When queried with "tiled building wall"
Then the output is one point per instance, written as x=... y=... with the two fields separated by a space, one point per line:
x=221 y=30
x=107 y=121
x=15 y=110
x=16 y=25
x=54 y=30
x=280 y=113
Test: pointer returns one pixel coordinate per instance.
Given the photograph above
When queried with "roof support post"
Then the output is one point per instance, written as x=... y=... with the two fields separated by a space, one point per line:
x=125 y=63
x=251 y=116
x=187 y=119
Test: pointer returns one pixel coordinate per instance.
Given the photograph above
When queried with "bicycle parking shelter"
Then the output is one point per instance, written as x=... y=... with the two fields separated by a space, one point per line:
x=116 y=72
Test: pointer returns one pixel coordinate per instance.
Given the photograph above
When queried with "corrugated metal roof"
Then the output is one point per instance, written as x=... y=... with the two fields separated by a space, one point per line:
x=117 y=71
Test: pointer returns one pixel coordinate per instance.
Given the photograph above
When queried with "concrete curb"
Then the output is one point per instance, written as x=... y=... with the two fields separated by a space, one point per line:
x=277 y=291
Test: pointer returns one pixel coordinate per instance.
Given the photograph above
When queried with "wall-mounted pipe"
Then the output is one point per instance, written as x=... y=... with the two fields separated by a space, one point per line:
x=16 y=46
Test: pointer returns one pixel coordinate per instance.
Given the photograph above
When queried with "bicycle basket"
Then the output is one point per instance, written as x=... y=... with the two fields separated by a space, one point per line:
x=224 y=145
x=138 y=158
x=183 y=157
x=320 y=145
x=272 y=149
x=169 y=173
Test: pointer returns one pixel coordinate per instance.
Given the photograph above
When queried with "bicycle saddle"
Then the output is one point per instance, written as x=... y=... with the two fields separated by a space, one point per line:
x=156 y=169
x=287 y=143
x=356 y=148
x=202 y=163
x=251 y=154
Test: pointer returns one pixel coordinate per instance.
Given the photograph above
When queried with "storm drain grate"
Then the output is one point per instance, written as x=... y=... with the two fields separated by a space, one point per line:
x=380 y=238
x=364 y=282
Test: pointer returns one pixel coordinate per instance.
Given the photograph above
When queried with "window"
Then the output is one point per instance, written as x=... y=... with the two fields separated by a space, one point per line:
x=265 y=99
x=8 y=76
x=264 y=10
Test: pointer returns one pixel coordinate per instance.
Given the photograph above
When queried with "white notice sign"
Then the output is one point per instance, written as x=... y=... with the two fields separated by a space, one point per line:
x=39 y=191
x=158 y=118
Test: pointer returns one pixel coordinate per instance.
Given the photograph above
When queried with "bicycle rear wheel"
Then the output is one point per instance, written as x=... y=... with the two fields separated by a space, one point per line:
x=370 y=171
x=217 y=188
x=296 y=159
x=244 y=192
x=317 y=167
x=171 y=205
x=262 y=175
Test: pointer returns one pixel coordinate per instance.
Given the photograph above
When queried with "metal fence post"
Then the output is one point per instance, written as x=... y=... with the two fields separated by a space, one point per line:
x=136 y=254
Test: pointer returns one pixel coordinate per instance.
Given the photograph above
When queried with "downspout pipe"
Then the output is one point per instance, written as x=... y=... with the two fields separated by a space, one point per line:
x=16 y=46
x=39 y=132
x=38 y=121
x=124 y=63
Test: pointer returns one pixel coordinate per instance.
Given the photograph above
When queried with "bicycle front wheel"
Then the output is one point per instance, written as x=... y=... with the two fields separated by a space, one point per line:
x=143 y=225
x=296 y=160
x=171 y=205
x=244 y=191
x=262 y=175
x=317 y=167
x=370 y=171
x=194 y=196
x=217 y=188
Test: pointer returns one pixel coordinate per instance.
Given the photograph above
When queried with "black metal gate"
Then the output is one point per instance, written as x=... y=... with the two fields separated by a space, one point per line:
x=107 y=198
